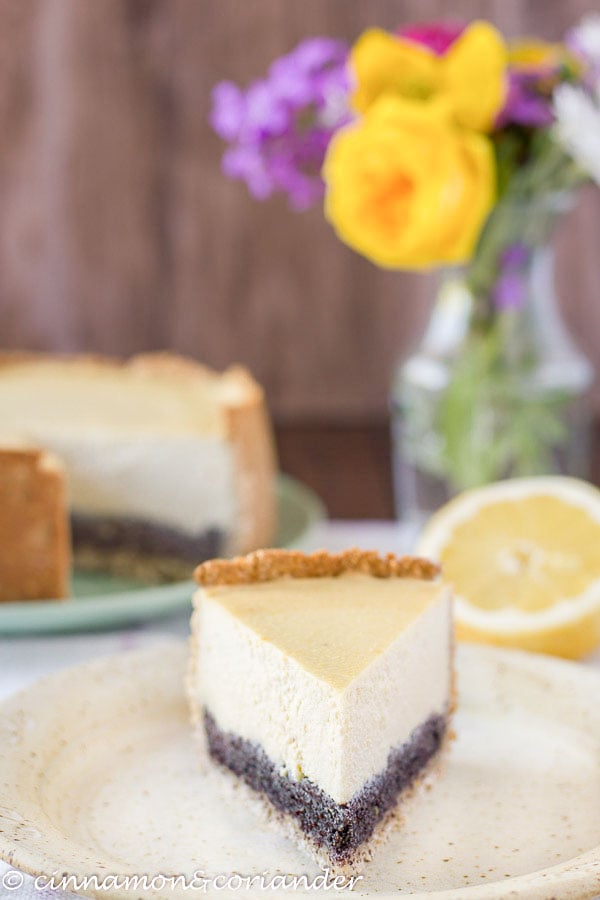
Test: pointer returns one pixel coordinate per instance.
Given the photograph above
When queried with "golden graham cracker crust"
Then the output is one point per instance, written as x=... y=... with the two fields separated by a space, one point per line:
x=268 y=565
x=34 y=528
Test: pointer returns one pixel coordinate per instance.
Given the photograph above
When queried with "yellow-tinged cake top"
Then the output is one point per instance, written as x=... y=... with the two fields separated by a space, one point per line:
x=152 y=393
x=333 y=626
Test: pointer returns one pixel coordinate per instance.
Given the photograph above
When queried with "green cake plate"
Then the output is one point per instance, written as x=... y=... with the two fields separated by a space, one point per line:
x=104 y=601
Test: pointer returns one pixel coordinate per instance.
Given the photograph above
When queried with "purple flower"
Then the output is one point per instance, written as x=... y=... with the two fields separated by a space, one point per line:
x=510 y=290
x=265 y=114
x=526 y=103
x=301 y=76
x=279 y=127
x=246 y=163
x=516 y=256
x=227 y=110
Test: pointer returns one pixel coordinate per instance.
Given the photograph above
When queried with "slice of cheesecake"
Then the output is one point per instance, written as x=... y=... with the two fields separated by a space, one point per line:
x=324 y=683
x=167 y=462
x=34 y=526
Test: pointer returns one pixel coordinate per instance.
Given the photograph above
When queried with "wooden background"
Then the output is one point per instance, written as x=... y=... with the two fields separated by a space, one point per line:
x=118 y=233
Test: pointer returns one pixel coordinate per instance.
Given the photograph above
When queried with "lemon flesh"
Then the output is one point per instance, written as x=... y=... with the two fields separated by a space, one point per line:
x=529 y=553
x=523 y=557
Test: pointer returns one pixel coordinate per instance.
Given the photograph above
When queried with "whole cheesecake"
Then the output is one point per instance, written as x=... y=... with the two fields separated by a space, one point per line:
x=166 y=461
x=324 y=683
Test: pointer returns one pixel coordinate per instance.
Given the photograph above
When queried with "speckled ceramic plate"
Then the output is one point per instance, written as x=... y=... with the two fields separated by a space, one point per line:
x=100 y=776
x=104 y=601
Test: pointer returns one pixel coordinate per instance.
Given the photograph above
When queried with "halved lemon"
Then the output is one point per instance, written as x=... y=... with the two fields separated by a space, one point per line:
x=523 y=557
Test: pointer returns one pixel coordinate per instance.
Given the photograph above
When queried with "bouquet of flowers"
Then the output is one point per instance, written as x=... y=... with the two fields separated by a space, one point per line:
x=437 y=145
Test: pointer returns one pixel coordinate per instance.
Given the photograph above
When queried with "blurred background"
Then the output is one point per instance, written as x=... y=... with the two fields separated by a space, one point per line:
x=119 y=234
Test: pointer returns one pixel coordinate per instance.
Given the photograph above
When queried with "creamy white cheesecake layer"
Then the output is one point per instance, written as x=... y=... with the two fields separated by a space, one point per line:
x=133 y=444
x=328 y=704
x=183 y=482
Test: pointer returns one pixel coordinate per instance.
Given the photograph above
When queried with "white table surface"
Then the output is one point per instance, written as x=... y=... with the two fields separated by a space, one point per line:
x=25 y=659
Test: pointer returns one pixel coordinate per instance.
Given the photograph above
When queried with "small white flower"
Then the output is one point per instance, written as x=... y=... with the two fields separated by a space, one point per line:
x=577 y=126
x=585 y=39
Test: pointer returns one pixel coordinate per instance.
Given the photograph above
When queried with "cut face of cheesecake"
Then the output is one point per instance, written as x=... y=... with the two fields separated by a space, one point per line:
x=34 y=526
x=167 y=462
x=324 y=683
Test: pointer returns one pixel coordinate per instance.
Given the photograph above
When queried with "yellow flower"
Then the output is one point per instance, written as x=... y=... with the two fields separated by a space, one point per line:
x=406 y=187
x=544 y=59
x=470 y=75
x=534 y=54
x=474 y=76
x=385 y=64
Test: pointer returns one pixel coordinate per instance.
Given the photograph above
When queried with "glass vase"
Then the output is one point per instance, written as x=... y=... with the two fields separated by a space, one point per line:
x=497 y=388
